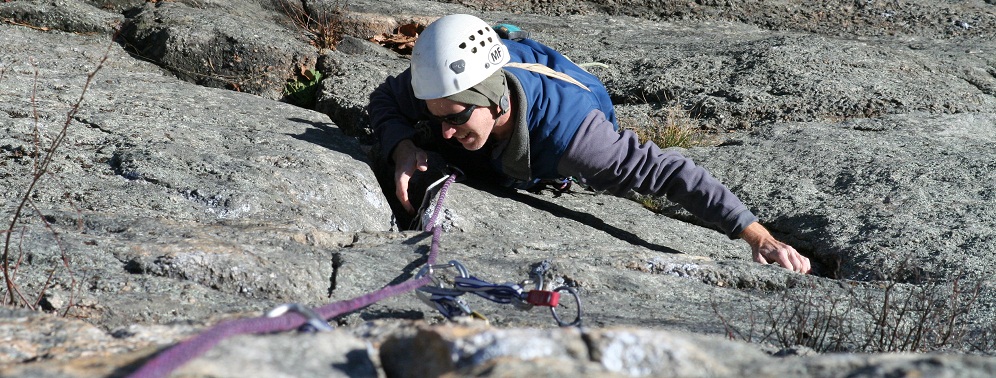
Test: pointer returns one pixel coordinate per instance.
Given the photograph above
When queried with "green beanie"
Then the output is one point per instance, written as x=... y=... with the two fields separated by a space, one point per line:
x=485 y=93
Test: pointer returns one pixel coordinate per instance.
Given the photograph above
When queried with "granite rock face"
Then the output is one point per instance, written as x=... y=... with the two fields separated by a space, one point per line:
x=183 y=194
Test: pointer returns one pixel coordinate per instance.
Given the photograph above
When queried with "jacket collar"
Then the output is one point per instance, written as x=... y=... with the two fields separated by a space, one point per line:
x=515 y=160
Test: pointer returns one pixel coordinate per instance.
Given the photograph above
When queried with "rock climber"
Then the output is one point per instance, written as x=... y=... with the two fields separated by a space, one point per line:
x=520 y=113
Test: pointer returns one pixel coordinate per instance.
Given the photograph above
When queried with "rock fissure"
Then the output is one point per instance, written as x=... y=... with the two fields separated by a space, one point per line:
x=337 y=263
x=92 y=125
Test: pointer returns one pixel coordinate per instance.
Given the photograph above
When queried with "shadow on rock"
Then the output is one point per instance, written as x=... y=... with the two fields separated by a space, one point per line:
x=329 y=136
x=805 y=233
x=574 y=215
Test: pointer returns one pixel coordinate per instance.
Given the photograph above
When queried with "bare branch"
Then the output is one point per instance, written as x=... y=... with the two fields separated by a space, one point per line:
x=39 y=170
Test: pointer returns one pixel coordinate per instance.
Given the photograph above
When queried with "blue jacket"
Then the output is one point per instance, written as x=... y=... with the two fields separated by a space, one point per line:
x=554 y=109
x=563 y=130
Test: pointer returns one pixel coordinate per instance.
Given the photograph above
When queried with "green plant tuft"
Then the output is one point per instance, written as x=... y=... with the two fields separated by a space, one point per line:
x=302 y=90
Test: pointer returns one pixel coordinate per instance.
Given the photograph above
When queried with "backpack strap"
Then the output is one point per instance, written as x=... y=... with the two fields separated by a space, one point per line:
x=542 y=69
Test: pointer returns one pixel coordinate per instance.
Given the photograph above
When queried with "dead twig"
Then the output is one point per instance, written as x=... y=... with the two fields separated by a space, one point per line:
x=38 y=171
x=65 y=263
x=321 y=25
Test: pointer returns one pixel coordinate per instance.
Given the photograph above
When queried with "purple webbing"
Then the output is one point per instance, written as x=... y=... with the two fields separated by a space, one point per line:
x=164 y=363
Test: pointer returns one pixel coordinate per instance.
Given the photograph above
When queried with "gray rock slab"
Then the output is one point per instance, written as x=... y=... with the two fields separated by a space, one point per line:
x=873 y=191
x=736 y=76
x=187 y=158
x=142 y=178
x=351 y=77
x=242 y=51
x=172 y=207
x=64 y=15
x=331 y=354
x=910 y=19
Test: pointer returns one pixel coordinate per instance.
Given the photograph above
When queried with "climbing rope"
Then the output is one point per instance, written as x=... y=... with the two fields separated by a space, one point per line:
x=295 y=316
x=288 y=318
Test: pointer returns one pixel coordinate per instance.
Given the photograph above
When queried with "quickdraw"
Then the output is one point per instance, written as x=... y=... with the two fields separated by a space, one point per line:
x=447 y=300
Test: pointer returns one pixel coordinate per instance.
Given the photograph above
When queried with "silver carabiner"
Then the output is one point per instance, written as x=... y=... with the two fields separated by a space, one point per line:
x=577 y=300
x=456 y=172
x=537 y=273
x=316 y=322
x=430 y=270
x=425 y=293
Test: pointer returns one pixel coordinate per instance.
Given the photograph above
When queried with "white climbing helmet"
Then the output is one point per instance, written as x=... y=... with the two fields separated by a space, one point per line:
x=454 y=53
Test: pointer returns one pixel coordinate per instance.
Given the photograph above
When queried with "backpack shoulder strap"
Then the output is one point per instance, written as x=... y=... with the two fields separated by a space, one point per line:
x=542 y=69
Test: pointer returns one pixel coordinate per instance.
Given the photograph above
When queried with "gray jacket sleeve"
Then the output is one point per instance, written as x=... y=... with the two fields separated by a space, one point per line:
x=616 y=162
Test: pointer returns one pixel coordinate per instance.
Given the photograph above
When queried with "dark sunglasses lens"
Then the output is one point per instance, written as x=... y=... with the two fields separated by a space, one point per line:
x=458 y=118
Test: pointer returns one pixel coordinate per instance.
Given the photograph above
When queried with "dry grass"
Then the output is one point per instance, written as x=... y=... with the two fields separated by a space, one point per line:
x=320 y=24
x=677 y=128
x=881 y=316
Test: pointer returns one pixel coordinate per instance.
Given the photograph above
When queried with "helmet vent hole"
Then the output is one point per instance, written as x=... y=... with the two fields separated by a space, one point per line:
x=463 y=45
x=490 y=40
x=482 y=44
x=471 y=37
x=479 y=31
x=473 y=50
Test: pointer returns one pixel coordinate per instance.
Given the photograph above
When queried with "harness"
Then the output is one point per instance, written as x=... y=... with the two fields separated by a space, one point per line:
x=561 y=185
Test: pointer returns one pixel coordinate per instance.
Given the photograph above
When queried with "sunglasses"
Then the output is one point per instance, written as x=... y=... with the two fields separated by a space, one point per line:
x=456 y=119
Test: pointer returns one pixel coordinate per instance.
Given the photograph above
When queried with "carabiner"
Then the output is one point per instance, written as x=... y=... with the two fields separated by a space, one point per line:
x=314 y=321
x=538 y=272
x=430 y=270
x=456 y=172
x=577 y=300
x=436 y=294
